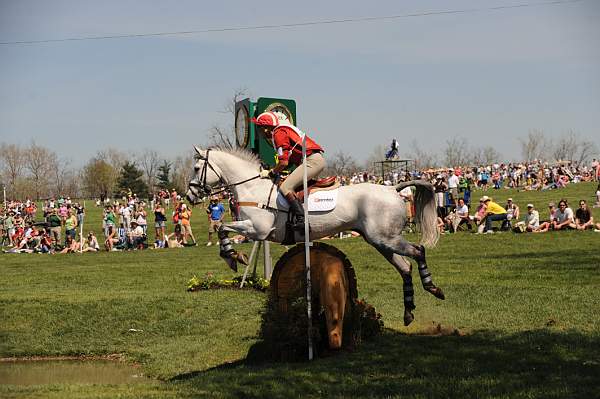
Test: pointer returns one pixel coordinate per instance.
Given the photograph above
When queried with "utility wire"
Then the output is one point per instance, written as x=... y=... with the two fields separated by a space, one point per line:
x=297 y=24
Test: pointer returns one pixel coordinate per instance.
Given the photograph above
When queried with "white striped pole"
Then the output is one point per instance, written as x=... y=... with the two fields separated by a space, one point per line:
x=307 y=245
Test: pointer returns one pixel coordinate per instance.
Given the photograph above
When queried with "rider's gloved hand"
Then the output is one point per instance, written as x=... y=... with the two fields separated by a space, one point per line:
x=265 y=174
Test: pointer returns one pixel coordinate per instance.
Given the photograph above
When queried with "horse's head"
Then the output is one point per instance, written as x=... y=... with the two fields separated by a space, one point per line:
x=206 y=176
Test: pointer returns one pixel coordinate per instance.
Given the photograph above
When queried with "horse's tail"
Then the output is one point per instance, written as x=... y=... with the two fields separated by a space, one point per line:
x=426 y=212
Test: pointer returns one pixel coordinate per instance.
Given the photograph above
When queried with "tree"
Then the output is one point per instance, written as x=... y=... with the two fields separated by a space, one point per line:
x=570 y=146
x=423 y=159
x=484 y=156
x=149 y=162
x=224 y=136
x=98 y=178
x=183 y=170
x=535 y=146
x=456 y=152
x=341 y=164
x=164 y=175
x=38 y=162
x=13 y=164
x=130 y=180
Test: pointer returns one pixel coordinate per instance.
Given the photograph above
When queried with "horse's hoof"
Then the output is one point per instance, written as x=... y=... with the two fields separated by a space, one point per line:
x=408 y=318
x=232 y=263
x=242 y=258
x=437 y=292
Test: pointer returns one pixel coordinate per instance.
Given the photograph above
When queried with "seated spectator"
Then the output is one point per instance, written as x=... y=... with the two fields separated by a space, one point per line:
x=91 y=243
x=135 y=237
x=494 y=212
x=512 y=211
x=461 y=216
x=71 y=245
x=45 y=245
x=583 y=217
x=547 y=225
x=175 y=239
x=479 y=216
x=531 y=221
x=111 y=239
x=564 y=217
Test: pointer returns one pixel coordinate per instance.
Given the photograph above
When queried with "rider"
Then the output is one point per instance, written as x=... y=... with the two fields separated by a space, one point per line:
x=287 y=142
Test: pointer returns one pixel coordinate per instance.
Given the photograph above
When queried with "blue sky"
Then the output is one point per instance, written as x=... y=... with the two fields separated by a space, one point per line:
x=487 y=76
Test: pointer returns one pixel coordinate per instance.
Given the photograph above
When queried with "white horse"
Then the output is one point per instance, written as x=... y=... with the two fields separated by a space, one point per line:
x=376 y=212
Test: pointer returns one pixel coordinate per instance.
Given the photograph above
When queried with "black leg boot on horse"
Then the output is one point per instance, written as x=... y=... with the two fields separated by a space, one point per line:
x=230 y=255
x=297 y=210
x=425 y=275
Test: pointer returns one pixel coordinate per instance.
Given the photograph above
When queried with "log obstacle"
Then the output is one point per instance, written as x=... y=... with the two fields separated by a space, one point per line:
x=333 y=291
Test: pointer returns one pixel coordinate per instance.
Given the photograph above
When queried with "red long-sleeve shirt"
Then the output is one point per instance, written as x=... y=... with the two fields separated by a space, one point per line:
x=288 y=145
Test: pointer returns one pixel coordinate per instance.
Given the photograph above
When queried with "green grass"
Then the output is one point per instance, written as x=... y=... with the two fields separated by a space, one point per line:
x=526 y=307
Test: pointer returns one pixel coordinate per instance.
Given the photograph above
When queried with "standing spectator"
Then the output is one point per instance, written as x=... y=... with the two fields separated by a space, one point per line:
x=110 y=219
x=215 y=212
x=453 y=182
x=583 y=217
x=54 y=223
x=186 y=225
x=140 y=218
x=9 y=225
x=494 y=212
x=440 y=188
x=63 y=211
x=80 y=213
x=71 y=225
x=159 y=222
x=233 y=208
x=564 y=217
x=174 y=197
x=125 y=212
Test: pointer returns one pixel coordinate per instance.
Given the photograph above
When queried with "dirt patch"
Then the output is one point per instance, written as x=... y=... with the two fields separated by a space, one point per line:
x=437 y=329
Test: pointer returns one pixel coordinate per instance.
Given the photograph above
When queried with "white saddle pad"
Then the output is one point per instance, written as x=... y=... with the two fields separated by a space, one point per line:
x=320 y=201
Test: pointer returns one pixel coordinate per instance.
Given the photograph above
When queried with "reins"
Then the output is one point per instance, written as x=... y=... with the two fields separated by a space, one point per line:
x=226 y=187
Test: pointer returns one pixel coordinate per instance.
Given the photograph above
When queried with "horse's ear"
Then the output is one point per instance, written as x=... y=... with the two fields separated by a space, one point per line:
x=200 y=152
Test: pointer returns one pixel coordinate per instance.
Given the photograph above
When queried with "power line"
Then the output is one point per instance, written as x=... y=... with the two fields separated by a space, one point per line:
x=297 y=24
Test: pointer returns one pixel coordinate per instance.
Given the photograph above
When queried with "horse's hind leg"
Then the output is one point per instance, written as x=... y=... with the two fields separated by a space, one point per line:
x=404 y=268
x=424 y=273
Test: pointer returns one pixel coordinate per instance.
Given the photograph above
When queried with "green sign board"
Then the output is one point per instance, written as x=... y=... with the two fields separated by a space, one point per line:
x=248 y=136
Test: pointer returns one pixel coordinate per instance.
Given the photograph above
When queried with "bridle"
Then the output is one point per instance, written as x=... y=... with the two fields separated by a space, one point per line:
x=222 y=187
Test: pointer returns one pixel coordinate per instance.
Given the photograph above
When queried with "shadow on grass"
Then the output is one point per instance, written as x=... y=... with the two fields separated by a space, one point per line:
x=539 y=363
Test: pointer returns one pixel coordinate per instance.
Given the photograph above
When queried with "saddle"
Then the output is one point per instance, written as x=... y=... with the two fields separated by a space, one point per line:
x=324 y=184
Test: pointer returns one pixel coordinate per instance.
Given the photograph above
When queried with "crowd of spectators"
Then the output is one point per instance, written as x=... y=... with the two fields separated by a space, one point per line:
x=21 y=233
x=125 y=222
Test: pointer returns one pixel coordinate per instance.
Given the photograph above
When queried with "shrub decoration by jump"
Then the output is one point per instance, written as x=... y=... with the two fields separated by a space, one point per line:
x=210 y=282
x=283 y=332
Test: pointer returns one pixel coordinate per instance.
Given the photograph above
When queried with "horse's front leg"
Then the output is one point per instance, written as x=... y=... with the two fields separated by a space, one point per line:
x=230 y=255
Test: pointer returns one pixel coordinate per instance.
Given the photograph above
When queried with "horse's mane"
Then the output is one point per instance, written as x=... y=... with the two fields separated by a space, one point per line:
x=240 y=152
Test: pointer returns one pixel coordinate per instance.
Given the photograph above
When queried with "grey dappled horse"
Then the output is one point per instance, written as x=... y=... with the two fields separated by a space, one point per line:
x=376 y=212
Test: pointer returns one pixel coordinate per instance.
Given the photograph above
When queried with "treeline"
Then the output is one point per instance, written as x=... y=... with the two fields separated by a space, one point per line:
x=37 y=172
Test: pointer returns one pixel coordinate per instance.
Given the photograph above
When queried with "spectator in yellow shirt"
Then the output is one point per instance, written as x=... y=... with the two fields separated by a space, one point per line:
x=494 y=212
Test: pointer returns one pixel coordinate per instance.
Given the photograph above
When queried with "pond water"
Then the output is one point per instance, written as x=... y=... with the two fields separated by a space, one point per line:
x=27 y=372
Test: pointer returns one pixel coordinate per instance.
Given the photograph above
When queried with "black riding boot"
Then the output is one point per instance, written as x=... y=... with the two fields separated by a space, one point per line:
x=297 y=210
